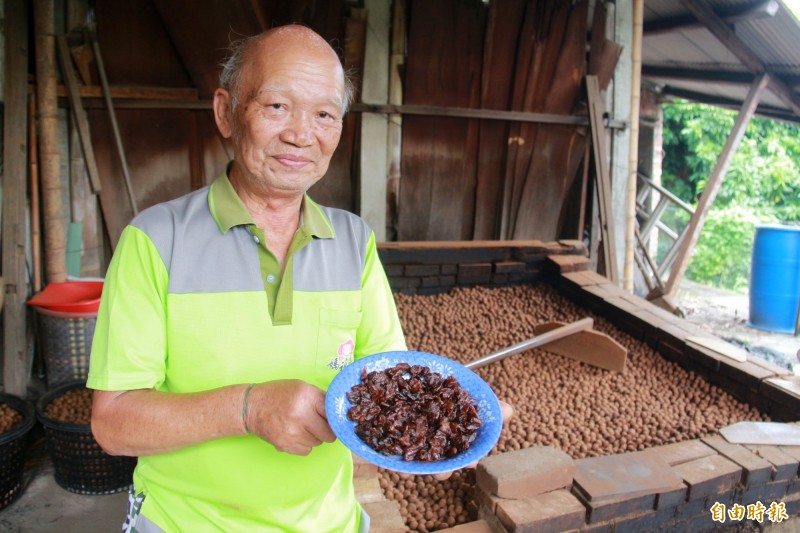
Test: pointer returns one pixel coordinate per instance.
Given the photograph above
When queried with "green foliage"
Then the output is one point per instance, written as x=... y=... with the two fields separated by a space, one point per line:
x=762 y=185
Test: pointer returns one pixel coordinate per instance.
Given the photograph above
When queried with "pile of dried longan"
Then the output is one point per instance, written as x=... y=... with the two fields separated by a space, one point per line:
x=9 y=418
x=582 y=410
x=72 y=407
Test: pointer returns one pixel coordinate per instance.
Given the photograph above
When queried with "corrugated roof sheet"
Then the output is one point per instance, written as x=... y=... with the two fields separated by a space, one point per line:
x=774 y=40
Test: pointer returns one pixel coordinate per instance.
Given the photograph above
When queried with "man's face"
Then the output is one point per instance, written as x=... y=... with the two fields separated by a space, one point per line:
x=289 y=117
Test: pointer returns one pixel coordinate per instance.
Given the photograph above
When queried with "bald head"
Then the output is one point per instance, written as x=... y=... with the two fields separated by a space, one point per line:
x=292 y=38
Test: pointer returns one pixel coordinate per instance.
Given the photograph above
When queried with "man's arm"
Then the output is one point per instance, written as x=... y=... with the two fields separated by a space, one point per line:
x=290 y=414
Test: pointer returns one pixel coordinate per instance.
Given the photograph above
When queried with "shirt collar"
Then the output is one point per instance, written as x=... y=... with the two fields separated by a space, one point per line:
x=228 y=210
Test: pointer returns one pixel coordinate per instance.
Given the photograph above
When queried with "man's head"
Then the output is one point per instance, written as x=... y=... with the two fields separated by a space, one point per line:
x=283 y=97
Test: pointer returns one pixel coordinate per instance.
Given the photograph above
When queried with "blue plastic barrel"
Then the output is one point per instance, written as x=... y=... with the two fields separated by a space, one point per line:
x=775 y=278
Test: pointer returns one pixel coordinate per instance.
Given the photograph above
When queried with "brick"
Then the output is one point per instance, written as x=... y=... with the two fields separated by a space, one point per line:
x=449 y=269
x=385 y=517
x=748 y=373
x=609 y=508
x=500 y=279
x=791 y=451
x=569 y=263
x=784 y=466
x=363 y=468
x=488 y=516
x=683 y=452
x=702 y=355
x=755 y=470
x=672 y=498
x=709 y=475
x=447 y=281
x=421 y=270
x=549 y=512
x=769 y=492
x=368 y=490
x=579 y=278
x=509 y=267
x=393 y=270
x=628 y=474
x=478 y=526
x=642 y=521
x=524 y=473
x=430 y=281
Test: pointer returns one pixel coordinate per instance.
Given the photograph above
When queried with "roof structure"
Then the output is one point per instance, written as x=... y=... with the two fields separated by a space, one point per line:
x=712 y=50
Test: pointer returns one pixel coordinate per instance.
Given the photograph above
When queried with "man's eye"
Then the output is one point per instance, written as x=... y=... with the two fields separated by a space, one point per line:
x=276 y=106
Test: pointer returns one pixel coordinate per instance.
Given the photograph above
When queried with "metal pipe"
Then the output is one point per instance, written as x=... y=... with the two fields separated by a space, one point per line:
x=534 y=342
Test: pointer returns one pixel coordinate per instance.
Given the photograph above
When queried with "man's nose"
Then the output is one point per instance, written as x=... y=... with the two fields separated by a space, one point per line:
x=299 y=129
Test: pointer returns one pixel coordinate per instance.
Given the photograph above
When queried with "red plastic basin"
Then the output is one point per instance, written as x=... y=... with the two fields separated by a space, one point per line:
x=70 y=297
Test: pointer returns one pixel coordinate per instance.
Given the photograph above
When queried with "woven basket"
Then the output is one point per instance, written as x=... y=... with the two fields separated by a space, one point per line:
x=66 y=342
x=79 y=464
x=12 y=450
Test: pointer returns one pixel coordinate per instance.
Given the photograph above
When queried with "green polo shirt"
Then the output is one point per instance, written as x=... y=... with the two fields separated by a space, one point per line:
x=193 y=300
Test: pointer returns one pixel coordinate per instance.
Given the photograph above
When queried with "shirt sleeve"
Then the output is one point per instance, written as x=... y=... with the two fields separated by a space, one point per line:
x=380 y=329
x=129 y=344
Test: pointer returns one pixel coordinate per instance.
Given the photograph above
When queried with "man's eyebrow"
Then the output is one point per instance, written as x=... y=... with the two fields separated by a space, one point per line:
x=277 y=89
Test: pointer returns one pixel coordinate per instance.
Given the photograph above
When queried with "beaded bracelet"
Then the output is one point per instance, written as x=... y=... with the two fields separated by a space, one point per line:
x=244 y=407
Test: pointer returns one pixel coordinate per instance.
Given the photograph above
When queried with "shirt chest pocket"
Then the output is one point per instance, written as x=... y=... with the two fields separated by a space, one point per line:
x=336 y=340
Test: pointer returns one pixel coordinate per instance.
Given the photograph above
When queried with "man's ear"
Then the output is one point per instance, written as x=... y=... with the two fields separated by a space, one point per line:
x=222 y=112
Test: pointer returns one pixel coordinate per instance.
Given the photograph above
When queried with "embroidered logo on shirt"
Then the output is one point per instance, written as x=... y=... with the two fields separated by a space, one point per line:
x=344 y=355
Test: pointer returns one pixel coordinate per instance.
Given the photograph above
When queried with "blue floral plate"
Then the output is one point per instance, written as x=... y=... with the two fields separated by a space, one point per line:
x=337 y=405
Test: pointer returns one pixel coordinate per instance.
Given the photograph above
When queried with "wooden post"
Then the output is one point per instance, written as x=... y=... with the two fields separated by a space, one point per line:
x=633 y=147
x=16 y=362
x=714 y=183
x=55 y=236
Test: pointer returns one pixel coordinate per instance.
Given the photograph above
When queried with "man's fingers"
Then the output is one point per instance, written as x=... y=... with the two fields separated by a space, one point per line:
x=507 y=411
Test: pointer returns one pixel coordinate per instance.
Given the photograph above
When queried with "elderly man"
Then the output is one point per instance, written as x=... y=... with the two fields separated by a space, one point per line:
x=226 y=314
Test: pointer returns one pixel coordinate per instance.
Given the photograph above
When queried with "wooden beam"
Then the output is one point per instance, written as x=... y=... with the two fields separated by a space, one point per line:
x=731 y=15
x=15 y=288
x=712 y=187
x=737 y=47
x=79 y=113
x=134 y=92
x=462 y=112
x=767 y=111
x=603 y=181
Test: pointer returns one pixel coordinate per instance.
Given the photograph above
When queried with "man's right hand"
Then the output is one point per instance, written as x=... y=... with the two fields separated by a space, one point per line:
x=289 y=414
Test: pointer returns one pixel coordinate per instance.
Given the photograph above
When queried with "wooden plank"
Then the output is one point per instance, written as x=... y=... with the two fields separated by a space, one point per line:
x=730 y=15
x=439 y=167
x=78 y=112
x=16 y=362
x=502 y=34
x=85 y=210
x=590 y=347
x=556 y=155
x=603 y=181
x=692 y=231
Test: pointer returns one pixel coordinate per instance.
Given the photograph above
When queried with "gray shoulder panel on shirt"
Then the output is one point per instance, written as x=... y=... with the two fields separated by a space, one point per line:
x=199 y=258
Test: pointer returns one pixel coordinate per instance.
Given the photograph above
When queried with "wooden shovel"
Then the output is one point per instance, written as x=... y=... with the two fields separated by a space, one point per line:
x=574 y=340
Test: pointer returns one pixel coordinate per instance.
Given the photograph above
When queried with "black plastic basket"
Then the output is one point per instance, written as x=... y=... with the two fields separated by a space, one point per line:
x=13 y=446
x=79 y=464
x=66 y=342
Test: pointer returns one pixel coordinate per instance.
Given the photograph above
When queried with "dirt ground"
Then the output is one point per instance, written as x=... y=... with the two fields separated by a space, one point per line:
x=725 y=314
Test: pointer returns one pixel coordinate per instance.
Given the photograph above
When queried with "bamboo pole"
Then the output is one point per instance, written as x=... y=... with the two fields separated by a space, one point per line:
x=52 y=189
x=36 y=230
x=633 y=145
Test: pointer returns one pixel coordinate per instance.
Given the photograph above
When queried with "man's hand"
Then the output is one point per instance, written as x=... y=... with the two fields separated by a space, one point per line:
x=289 y=414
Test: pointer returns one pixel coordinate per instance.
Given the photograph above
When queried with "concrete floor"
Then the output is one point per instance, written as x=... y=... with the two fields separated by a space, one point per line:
x=45 y=507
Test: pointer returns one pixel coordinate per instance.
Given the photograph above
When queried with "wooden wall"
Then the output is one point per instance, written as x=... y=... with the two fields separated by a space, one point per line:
x=461 y=178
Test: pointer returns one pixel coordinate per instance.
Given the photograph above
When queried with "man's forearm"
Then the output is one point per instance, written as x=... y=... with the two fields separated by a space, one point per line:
x=146 y=422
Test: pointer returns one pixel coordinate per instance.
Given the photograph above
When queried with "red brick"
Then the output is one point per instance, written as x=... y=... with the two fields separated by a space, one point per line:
x=526 y=472
x=368 y=490
x=549 y=512
x=609 y=508
x=363 y=468
x=672 y=498
x=569 y=263
x=385 y=517
x=709 y=475
x=421 y=270
x=784 y=466
x=770 y=492
x=508 y=267
x=628 y=474
x=683 y=452
x=755 y=470
x=479 y=526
